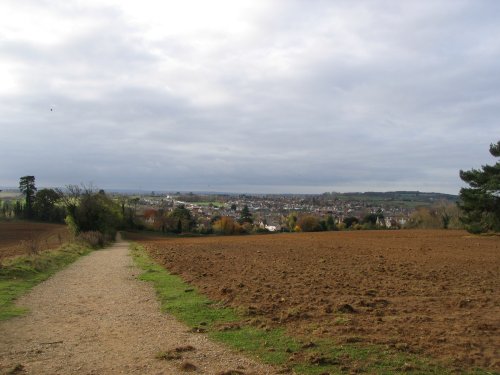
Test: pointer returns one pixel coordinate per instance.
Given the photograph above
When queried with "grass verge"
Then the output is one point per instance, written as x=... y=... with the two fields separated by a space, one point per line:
x=275 y=346
x=19 y=275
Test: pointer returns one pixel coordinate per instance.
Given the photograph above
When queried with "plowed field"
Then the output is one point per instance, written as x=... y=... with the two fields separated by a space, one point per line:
x=43 y=235
x=429 y=292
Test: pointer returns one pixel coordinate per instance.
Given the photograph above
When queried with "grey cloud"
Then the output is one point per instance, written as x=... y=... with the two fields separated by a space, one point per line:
x=347 y=98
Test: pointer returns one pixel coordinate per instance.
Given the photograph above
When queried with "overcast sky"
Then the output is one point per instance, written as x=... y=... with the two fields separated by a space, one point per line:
x=248 y=96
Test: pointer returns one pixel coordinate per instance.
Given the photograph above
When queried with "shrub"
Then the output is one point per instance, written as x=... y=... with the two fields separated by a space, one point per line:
x=260 y=230
x=441 y=215
x=350 y=221
x=227 y=225
x=31 y=246
x=94 y=239
x=92 y=211
x=309 y=224
x=475 y=228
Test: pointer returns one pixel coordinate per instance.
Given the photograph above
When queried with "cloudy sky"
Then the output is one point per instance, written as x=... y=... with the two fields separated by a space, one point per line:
x=248 y=96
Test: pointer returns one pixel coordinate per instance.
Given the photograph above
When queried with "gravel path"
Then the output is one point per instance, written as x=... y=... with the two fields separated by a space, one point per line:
x=95 y=317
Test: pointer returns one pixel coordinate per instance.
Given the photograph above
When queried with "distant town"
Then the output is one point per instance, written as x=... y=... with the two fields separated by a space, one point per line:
x=271 y=212
x=226 y=213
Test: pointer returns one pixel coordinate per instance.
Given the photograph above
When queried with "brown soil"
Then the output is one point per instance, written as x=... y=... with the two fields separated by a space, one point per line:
x=95 y=317
x=46 y=236
x=430 y=292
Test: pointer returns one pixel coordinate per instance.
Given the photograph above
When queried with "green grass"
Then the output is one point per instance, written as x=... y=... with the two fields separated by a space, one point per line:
x=275 y=346
x=181 y=299
x=19 y=275
x=270 y=346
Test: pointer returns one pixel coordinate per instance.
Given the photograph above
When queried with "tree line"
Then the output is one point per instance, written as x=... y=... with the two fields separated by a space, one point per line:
x=83 y=208
x=41 y=205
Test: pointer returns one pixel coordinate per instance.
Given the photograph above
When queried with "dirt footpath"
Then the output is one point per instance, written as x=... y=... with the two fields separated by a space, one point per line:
x=95 y=317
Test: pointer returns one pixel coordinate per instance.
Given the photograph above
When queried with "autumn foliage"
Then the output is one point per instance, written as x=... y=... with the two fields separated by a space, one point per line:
x=309 y=223
x=227 y=225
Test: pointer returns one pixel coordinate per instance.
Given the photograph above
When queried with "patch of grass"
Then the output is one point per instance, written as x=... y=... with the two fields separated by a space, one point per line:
x=19 y=275
x=17 y=369
x=342 y=319
x=328 y=357
x=275 y=346
x=180 y=298
x=270 y=346
x=372 y=359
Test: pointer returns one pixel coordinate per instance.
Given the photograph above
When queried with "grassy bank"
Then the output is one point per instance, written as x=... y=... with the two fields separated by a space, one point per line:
x=274 y=346
x=19 y=275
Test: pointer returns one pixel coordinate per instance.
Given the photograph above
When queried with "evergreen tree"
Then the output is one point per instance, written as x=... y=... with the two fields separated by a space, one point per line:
x=330 y=223
x=245 y=216
x=480 y=202
x=27 y=187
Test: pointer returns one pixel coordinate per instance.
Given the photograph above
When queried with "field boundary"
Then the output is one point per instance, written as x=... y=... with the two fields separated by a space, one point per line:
x=20 y=274
x=246 y=333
